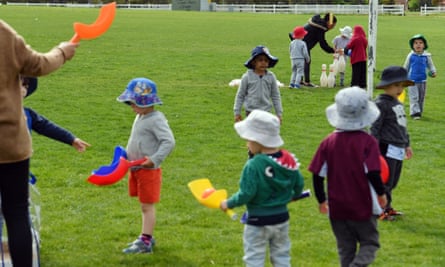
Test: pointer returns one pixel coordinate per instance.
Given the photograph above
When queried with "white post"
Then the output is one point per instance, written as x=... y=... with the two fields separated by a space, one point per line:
x=372 y=43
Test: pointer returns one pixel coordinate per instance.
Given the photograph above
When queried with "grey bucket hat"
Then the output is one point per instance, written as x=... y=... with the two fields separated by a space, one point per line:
x=352 y=110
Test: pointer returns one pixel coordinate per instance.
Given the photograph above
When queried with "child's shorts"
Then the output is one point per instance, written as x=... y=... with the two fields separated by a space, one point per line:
x=145 y=184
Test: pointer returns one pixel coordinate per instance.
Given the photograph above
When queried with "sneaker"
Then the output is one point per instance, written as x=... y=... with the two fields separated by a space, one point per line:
x=393 y=212
x=297 y=86
x=386 y=217
x=153 y=242
x=291 y=85
x=309 y=84
x=416 y=116
x=138 y=246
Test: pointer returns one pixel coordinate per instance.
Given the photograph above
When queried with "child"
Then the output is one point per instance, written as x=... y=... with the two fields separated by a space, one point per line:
x=18 y=58
x=417 y=63
x=390 y=129
x=357 y=49
x=349 y=158
x=152 y=138
x=299 y=55
x=258 y=88
x=340 y=42
x=268 y=182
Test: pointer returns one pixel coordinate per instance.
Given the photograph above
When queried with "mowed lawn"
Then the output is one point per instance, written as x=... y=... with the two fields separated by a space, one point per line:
x=192 y=56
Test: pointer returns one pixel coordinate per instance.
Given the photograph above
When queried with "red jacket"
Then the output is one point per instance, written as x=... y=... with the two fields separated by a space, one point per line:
x=357 y=45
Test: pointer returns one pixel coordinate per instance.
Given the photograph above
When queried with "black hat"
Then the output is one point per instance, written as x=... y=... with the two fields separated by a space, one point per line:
x=30 y=84
x=394 y=74
x=261 y=50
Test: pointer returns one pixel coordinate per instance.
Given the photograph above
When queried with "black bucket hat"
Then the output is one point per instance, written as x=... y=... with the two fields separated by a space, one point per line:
x=394 y=74
x=30 y=83
x=258 y=51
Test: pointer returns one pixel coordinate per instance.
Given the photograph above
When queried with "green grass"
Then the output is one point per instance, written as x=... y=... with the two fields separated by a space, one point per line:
x=192 y=57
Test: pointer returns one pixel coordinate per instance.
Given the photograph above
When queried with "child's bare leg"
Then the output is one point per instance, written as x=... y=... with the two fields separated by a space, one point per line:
x=148 y=218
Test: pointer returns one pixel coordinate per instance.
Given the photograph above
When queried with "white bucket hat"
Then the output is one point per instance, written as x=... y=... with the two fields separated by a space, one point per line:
x=352 y=110
x=346 y=31
x=262 y=127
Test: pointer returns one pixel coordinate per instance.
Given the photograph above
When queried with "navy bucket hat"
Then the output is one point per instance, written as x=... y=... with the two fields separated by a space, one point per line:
x=394 y=74
x=142 y=92
x=30 y=83
x=261 y=50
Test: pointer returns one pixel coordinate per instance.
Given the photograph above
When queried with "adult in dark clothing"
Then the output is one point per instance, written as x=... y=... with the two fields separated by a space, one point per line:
x=316 y=28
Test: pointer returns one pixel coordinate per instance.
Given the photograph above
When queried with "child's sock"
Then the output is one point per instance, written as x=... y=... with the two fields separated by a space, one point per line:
x=146 y=239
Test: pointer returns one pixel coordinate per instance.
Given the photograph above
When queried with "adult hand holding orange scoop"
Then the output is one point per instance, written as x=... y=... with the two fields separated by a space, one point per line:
x=96 y=29
x=208 y=196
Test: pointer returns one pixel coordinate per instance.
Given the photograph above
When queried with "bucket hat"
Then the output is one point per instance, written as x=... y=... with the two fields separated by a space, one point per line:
x=352 y=110
x=262 y=127
x=259 y=50
x=142 y=92
x=346 y=31
x=415 y=37
x=299 y=32
x=30 y=83
x=394 y=74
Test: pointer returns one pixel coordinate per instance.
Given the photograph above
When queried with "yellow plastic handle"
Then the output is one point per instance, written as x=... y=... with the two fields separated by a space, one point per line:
x=231 y=214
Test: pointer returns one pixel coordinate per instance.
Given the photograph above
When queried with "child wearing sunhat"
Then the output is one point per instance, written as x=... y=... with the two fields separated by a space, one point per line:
x=258 y=88
x=340 y=41
x=417 y=63
x=349 y=159
x=269 y=181
x=152 y=138
x=390 y=129
x=299 y=55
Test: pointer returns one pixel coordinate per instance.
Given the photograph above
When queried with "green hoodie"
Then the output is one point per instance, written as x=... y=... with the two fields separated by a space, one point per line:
x=268 y=184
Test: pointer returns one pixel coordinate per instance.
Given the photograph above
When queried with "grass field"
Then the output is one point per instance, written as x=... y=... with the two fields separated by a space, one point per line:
x=192 y=57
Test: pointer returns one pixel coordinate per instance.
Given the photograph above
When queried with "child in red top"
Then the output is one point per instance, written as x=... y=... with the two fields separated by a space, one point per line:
x=356 y=49
x=348 y=160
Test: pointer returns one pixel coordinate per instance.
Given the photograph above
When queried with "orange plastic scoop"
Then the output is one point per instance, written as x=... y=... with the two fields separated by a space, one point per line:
x=96 y=29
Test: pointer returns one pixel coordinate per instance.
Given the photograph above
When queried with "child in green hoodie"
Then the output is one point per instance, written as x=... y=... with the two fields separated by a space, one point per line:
x=269 y=181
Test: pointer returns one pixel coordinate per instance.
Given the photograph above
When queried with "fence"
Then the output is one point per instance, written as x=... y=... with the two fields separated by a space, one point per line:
x=132 y=6
x=310 y=9
x=430 y=10
x=290 y=9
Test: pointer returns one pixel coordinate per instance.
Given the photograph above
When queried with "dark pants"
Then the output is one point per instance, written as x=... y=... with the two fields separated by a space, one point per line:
x=395 y=170
x=353 y=235
x=359 y=74
x=14 y=193
x=307 y=69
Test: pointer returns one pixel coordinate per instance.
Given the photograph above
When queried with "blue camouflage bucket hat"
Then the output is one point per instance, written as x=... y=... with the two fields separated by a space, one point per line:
x=142 y=92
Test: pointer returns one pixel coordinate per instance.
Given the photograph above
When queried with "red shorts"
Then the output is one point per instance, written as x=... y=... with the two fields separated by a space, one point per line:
x=145 y=184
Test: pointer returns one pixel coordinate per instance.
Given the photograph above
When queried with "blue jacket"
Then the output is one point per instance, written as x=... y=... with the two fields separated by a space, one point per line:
x=417 y=66
x=43 y=126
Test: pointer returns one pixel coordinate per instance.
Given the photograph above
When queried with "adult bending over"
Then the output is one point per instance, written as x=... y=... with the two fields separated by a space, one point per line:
x=316 y=28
